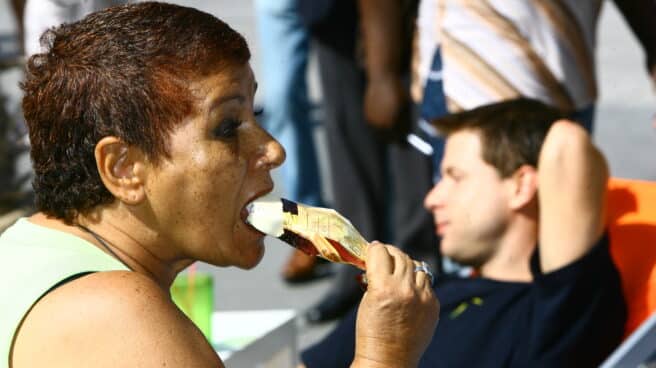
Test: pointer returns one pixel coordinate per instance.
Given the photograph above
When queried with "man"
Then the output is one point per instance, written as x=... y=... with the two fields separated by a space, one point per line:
x=521 y=200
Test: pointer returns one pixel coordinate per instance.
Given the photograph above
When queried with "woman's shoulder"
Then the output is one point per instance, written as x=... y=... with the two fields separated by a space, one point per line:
x=114 y=318
x=100 y=296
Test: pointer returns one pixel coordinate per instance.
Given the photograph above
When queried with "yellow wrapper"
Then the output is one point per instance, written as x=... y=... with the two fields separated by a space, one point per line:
x=320 y=226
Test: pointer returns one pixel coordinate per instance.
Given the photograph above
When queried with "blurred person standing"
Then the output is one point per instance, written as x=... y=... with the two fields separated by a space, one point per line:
x=479 y=52
x=377 y=185
x=15 y=170
x=18 y=8
x=287 y=112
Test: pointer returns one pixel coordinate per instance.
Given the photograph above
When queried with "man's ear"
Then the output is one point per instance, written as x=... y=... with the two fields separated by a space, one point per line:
x=121 y=169
x=524 y=186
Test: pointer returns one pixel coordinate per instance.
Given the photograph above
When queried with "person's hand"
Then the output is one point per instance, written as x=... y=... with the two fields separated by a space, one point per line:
x=386 y=106
x=398 y=313
x=383 y=101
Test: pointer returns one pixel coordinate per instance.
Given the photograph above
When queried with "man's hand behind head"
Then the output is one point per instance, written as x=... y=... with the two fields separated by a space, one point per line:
x=572 y=177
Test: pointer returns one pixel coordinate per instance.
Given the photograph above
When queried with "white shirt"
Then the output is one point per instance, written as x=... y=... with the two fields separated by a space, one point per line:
x=494 y=50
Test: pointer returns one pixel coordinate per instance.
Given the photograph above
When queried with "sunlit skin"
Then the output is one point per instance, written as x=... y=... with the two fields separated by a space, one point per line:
x=469 y=204
x=190 y=205
x=160 y=213
x=220 y=161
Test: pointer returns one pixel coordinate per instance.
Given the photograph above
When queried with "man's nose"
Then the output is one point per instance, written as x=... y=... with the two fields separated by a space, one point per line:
x=435 y=197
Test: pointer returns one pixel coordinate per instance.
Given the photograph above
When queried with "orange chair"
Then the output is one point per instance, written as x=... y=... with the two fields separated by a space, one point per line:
x=632 y=227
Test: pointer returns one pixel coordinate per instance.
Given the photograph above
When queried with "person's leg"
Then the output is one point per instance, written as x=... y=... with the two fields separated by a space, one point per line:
x=6 y=164
x=357 y=163
x=16 y=194
x=357 y=157
x=284 y=47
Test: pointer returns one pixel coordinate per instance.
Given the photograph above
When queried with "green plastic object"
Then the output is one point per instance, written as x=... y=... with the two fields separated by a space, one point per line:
x=193 y=293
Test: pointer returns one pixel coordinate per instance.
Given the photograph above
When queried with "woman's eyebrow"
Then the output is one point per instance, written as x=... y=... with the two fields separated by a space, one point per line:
x=226 y=99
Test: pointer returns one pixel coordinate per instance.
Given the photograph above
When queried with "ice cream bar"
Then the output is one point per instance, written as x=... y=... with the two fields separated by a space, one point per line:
x=316 y=231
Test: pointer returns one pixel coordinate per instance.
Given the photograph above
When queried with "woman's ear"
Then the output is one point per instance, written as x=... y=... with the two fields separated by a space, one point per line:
x=121 y=169
x=524 y=186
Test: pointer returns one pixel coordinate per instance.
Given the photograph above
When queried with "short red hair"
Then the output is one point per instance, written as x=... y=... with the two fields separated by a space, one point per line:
x=123 y=71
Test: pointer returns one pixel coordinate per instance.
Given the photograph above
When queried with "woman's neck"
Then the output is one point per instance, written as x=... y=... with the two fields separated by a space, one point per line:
x=131 y=245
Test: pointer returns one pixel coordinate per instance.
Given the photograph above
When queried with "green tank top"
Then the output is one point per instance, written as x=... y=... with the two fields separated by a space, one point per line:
x=33 y=259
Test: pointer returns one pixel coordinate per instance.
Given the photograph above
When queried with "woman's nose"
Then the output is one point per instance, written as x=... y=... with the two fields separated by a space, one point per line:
x=272 y=155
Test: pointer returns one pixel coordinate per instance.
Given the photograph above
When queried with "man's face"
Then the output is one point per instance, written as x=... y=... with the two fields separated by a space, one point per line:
x=470 y=203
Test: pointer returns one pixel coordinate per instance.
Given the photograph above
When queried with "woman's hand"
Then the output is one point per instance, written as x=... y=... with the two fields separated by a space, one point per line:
x=398 y=313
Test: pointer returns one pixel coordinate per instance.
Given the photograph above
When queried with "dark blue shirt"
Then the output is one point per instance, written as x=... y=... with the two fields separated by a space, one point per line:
x=572 y=317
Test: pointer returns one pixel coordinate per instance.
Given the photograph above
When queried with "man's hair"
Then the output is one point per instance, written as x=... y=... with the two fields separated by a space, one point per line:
x=125 y=72
x=512 y=132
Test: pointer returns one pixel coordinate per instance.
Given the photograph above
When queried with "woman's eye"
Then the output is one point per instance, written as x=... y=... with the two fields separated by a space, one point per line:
x=227 y=128
x=258 y=111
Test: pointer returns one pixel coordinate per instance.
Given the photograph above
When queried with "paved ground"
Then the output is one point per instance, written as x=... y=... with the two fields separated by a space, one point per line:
x=624 y=132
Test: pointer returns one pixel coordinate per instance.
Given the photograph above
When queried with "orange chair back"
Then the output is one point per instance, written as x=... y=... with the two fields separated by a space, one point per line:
x=632 y=227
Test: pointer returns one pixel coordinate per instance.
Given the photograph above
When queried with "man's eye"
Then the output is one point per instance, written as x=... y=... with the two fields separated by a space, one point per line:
x=453 y=177
x=227 y=128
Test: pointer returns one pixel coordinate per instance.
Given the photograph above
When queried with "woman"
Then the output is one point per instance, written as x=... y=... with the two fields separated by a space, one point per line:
x=146 y=153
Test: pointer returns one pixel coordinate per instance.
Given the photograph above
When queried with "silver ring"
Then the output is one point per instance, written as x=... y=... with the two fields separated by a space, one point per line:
x=423 y=267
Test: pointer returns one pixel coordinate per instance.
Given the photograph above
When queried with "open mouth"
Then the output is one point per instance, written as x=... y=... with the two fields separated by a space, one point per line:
x=245 y=211
x=248 y=208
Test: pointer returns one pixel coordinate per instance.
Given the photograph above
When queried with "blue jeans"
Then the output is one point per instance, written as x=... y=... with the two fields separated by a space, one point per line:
x=284 y=47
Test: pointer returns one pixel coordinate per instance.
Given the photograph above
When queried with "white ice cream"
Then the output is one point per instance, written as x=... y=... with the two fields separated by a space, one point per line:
x=266 y=215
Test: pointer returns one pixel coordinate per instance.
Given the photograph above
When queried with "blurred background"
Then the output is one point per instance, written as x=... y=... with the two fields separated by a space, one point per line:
x=624 y=131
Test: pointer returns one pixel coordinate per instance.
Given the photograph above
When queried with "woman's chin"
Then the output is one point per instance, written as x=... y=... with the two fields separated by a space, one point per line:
x=252 y=257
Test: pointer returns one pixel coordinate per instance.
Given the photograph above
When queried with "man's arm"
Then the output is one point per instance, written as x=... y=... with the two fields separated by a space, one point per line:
x=640 y=15
x=572 y=176
x=382 y=32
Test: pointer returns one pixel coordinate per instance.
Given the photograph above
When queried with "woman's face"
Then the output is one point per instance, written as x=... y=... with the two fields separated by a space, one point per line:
x=220 y=160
